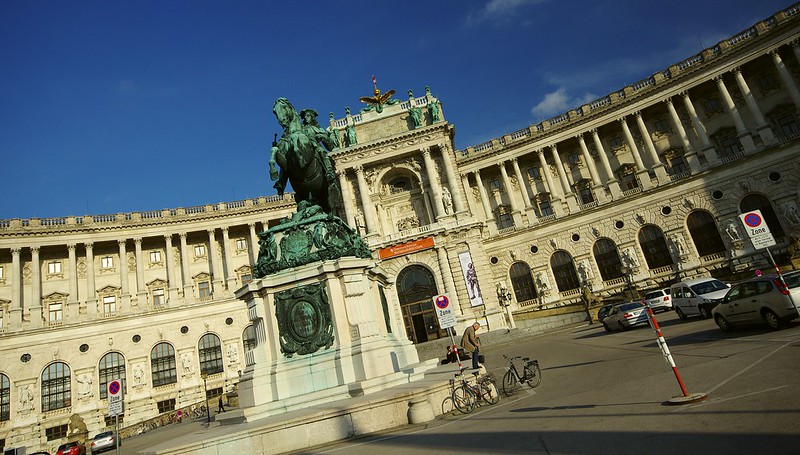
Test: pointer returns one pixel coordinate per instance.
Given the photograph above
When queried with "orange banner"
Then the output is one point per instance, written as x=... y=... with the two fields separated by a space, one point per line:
x=406 y=248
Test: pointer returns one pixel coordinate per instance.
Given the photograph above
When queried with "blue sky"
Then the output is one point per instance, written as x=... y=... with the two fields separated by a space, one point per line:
x=121 y=106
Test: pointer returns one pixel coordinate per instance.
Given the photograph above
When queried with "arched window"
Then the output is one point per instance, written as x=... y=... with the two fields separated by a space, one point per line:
x=249 y=338
x=522 y=282
x=5 y=398
x=112 y=366
x=56 y=387
x=162 y=365
x=210 y=351
x=654 y=247
x=704 y=232
x=758 y=202
x=564 y=271
x=607 y=258
x=415 y=289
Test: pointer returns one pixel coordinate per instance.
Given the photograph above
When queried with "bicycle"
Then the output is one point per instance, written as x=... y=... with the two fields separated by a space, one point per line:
x=531 y=374
x=465 y=396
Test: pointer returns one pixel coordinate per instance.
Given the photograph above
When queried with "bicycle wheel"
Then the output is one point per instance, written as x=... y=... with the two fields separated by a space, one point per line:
x=509 y=383
x=463 y=399
x=534 y=375
x=489 y=393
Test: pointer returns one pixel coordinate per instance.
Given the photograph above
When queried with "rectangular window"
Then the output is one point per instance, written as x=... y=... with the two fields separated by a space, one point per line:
x=730 y=146
x=106 y=262
x=766 y=83
x=678 y=165
x=2 y=272
x=629 y=182
x=787 y=123
x=54 y=433
x=199 y=251
x=109 y=304
x=712 y=105
x=534 y=173
x=586 y=195
x=158 y=297
x=54 y=267
x=213 y=393
x=573 y=159
x=204 y=290
x=110 y=422
x=494 y=184
x=241 y=244
x=56 y=312
x=545 y=209
x=155 y=257
x=615 y=142
x=166 y=406
x=661 y=126
x=504 y=220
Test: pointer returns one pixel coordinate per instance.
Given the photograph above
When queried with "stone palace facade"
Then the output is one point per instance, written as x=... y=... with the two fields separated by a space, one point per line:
x=634 y=190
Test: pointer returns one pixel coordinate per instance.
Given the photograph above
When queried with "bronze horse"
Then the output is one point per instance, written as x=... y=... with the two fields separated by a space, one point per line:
x=303 y=160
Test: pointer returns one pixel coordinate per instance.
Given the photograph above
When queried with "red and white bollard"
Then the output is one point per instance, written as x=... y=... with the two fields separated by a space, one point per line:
x=662 y=344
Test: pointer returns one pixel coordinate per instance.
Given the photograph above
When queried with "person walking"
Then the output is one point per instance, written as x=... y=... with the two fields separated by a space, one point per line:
x=221 y=407
x=471 y=343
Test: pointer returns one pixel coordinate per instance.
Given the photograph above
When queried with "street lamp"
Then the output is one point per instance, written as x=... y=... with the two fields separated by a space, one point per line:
x=205 y=392
x=504 y=296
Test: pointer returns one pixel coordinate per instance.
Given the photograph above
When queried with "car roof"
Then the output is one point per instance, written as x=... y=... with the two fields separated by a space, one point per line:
x=103 y=434
x=694 y=281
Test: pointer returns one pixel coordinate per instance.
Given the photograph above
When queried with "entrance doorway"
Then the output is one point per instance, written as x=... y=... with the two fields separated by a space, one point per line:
x=416 y=289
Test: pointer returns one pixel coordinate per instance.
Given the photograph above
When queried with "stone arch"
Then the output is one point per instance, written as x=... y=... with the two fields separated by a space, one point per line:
x=757 y=201
x=563 y=267
x=606 y=256
x=521 y=278
x=654 y=246
x=704 y=232
x=416 y=287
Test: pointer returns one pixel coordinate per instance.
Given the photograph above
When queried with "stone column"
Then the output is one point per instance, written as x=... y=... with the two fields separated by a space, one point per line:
x=433 y=182
x=487 y=208
x=447 y=278
x=691 y=154
x=73 y=304
x=91 y=288
x=468 y=193
x=254 y=246
x=733 y=111
x=214 y=264
x=554 y=195
x=762 y=126
x=658 y=166
x=515 y=212
x=369 y=212
x=526 y=195
x=597 y=186
x=123 y=278
x=188 y=294
x=562 y=176
x=36 y=317
x=16 y=288
x=612 y=183
x=347 y=197
x=172 y=277
x=452 y=180
x=786 y=77
x=641 y=171
x=141 y=288
x=230 y=280
x=707 y=148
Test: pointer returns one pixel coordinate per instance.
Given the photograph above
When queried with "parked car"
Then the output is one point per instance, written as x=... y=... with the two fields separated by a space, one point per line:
x=101 y=442
x=761 y=299
x=71 y=448
x=658 y=300
x=603 y=311
x=624 y=316
x=697 y=296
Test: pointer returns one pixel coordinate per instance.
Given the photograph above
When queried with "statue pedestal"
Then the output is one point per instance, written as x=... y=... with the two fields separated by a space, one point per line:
x=325 y=331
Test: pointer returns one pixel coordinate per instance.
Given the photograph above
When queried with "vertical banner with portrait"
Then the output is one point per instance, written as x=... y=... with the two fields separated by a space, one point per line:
x=470 y=279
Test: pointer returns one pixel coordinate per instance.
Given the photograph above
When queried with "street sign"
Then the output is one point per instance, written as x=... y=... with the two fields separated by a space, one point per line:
x=115 y=397
x=444 y=312
x=757 y=229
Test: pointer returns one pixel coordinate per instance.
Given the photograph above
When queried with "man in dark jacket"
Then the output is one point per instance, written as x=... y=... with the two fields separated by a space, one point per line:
x=471 y=343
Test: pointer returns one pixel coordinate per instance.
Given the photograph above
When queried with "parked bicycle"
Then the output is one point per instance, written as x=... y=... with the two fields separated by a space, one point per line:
x=466 y=395
x=531 y=374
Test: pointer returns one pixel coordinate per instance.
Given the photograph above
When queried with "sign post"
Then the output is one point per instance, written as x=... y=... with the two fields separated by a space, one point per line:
x=760 y=235
x=447 y=320
x=116 y=400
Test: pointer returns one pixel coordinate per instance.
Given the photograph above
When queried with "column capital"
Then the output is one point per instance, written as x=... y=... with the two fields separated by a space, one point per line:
x=514 y=160
x=477 y=173
x=445 y=147
x=637 y=114
x=121 y=242
x=684 y=94
x=623 y=120
x=183 y=235
x=71 y=246
x=668 y=101
x=774 y=53
x=35 y=249
x=554 y=147
x=224 y=230
x=211 y=231
x=593 y=131
x=736 y=70
x=138 y=240
x=501 y=164
x=359 y=169
x=88 y=245
x=16 y=250
x=251 y=225
x=718 y=79
x=795 y=42
x=168 y=238
x=580 y=138
x=342 y=173
x=426 y=151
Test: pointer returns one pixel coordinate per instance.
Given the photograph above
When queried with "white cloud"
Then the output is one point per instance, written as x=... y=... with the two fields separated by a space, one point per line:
x=558 y=102
x=497 y=10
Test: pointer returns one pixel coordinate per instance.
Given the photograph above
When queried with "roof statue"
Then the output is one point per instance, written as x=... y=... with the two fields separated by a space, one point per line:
x=378 y=99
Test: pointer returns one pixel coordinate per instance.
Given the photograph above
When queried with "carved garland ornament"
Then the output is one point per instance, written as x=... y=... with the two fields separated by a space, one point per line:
x=304 y=320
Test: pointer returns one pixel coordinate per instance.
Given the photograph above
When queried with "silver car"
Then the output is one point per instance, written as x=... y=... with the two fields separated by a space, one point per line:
x=624 y=316
x=658 y=300
x=101 y=442
x=762 y=299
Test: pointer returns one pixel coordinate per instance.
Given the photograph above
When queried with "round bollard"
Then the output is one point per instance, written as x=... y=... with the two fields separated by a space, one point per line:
x=420 y=410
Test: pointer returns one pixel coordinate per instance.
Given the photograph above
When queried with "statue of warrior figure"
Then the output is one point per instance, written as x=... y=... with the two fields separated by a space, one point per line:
x=302 y=154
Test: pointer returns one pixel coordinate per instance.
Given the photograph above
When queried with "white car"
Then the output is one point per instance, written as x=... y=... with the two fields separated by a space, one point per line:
x=658 y=300
x=697 y=296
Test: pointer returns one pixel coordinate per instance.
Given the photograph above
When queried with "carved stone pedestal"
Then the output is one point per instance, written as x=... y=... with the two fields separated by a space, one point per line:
x=325 y=331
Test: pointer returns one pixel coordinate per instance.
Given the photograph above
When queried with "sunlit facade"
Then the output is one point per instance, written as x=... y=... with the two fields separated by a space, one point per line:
x=638 y=188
